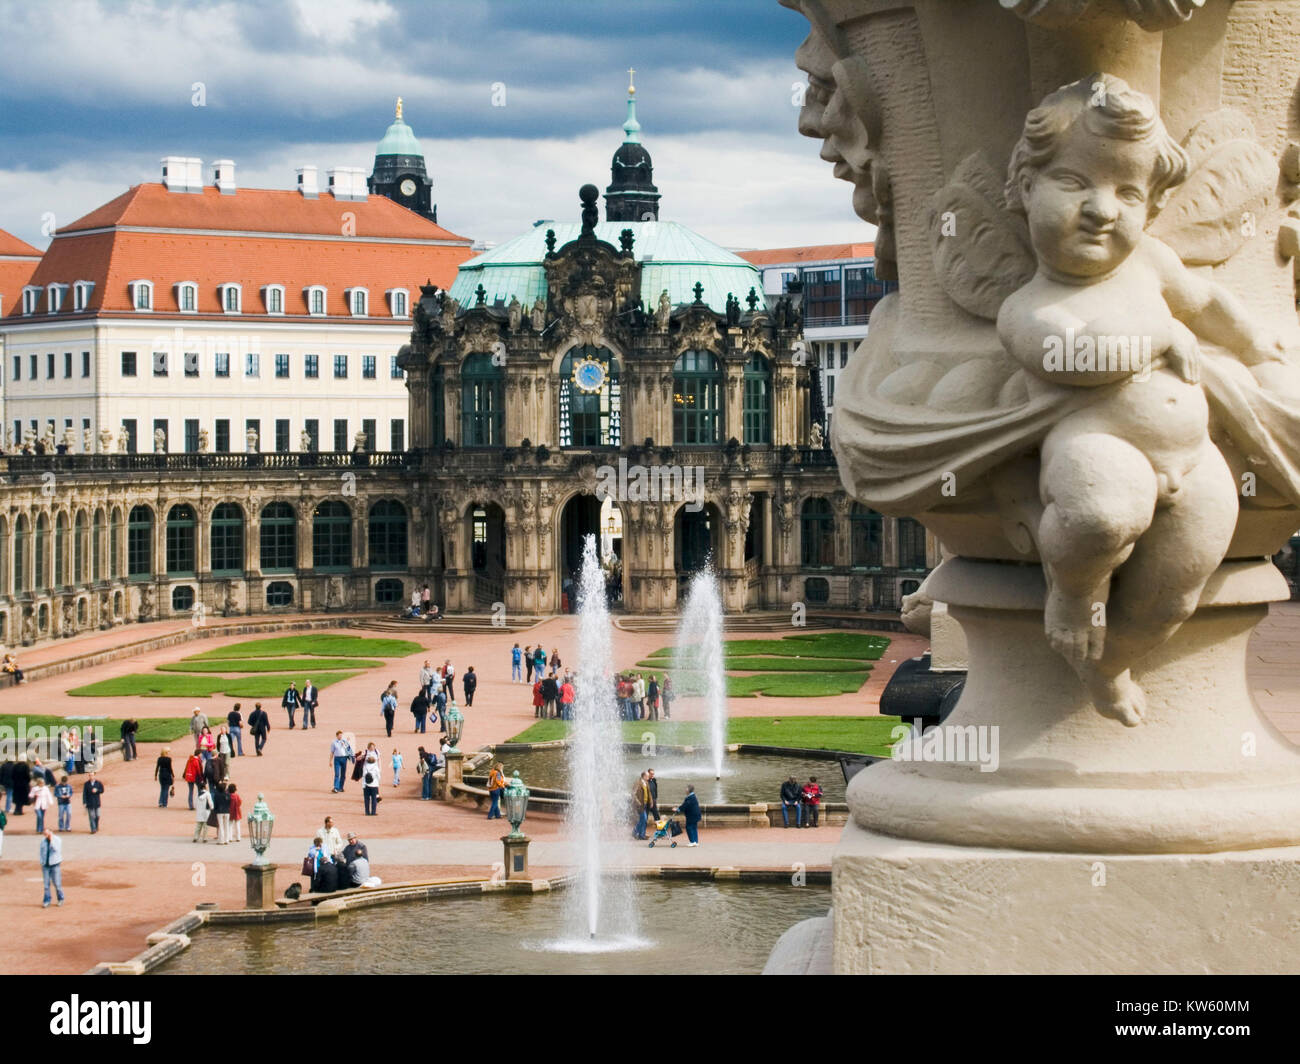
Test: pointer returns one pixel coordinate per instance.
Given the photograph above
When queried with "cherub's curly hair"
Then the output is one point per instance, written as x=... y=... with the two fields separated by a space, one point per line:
x=1108 y=107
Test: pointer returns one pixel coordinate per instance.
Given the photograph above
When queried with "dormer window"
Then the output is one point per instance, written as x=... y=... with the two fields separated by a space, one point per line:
x=315 y=300
x=230 y=297
x=31 y=298
x=141 y=294
x=54 y=294
x=397 y=302
x=273 y=297
x=187 y=296
x=358 y=302
x=81 y=294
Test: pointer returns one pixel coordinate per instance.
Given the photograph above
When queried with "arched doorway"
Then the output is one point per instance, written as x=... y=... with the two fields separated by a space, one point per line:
x=583 y=516
x=487 y=552
x=697 y=536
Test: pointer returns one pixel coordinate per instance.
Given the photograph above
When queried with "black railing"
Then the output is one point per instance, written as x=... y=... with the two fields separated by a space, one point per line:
x=18 y=464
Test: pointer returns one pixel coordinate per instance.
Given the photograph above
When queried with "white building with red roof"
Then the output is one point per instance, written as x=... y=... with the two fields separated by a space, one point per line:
x=195 y=314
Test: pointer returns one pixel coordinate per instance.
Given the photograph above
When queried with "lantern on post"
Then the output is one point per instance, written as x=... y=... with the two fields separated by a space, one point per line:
x=259 y=877
x=261 y=823
x=516 y=800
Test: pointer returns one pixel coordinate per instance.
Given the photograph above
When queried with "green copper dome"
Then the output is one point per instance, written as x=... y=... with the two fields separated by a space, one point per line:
x=671 y=257
x=399 y=140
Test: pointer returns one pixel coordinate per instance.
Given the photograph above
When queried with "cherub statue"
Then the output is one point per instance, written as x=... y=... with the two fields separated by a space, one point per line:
x=159 y=441
x=1129 y=475
x=204 y=441
x=816 y=440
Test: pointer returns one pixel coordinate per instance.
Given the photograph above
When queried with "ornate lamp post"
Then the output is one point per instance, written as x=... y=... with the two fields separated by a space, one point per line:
x=259 y=877
x=516 y=843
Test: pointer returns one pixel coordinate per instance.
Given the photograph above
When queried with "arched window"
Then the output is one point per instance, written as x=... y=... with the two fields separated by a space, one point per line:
x=758 y=400
x=818 y=528
x=866 y=537
x=115 y=545
x=22 y=547
x=590 y=398
x=181 y=522
x=139 y=543
x=817 y=590
x=79 y=548
x=388 y=535
x=437 y=408
x=482 y=402
x=61 y=550
x=388 y=591
x=279 y=593
x=41 y=553
x=697 y=399
x=331 y=537
x=279 y=538
x=97 y=547
x=911 y=544
x=183 y=598
x=227 y=554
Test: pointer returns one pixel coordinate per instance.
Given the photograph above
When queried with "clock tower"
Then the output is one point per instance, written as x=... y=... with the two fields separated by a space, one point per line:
x=399 y=170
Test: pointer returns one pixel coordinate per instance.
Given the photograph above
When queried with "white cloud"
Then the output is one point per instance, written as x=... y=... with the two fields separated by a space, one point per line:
x=337 y=21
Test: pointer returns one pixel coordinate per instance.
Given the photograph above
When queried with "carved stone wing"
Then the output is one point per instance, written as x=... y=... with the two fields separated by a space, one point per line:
x=981 y=250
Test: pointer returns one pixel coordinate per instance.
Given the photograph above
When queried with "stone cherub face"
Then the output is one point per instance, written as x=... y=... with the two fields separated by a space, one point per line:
x=1093 y=168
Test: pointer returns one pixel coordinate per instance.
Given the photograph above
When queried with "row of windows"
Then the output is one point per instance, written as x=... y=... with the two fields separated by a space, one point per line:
x=866 y=538
x=284 y=442
x=590 y=403
x=277 y=553
x=51 y=361
x=279 y=593
x=191 y=364
x=230 y=296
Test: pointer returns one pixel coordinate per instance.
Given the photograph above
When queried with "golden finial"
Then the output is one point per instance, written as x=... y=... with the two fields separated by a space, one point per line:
x=399 y=108
x=631 y=88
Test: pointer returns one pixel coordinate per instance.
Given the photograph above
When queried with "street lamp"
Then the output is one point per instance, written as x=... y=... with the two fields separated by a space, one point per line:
x=455 y=723
x=261 y=822
x=516 y=798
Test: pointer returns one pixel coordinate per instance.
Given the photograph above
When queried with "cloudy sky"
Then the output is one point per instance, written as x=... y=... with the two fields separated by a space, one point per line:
x=95 y=92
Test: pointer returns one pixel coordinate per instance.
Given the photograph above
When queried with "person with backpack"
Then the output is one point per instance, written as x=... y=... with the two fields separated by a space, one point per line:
x=388 y=707
x=516 y=665
x=496 y=786
x=193 y=774
x=370 y=779
x=469 y=684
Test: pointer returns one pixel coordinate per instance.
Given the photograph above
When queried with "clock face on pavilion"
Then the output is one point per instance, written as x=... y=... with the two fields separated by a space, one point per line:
x=407 y=187
x=589 y=375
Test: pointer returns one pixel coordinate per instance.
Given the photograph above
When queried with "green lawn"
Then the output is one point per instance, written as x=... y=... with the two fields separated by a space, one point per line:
x=184 y=685
x=774 y=663
x=771 y=684
x=308 y=666
x=809 y=645
x=156 y=730
x=322 y=644
x=861 y=735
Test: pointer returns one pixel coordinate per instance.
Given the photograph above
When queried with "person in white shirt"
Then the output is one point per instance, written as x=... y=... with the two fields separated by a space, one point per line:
x=202 y=807
x=370 y=778
x=331 y=840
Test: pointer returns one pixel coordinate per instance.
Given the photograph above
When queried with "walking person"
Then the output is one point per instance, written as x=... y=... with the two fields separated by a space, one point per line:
x=198 y=721
x=652 y=698
x=516 y=665
x=310 y=698
x=528 y=663
x=426 y=678
x=207 y=744
x=63 y=795
x=420 y=710
x=792 y=802
x=653 y=784
x=224 y=746
x=449 y=678
x=469 y=683
x=440 y=705
x=291 y=701
x=690 y=810
x=638 y=696
x=812 y=800
x=235 y=722
x=165 y=776
x=41 y=801
x=496 y=786
x=397 y=767
x=236 y=814
x=370 y=779
x=221 y=806
x=341 y=755
x=193 y=774
x=260 y=726
x=388 y=707
x=202 y=810
x=539 y=660
x=555 y=659
x=666 y=695
x=641 y=806
x=127 y=732
x=21 y=784
x=90 y=798
x=51 y=865
x=71 y=751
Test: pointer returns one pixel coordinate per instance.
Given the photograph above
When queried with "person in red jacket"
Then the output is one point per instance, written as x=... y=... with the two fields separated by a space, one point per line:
x=812 y=800
x=236 y=814
x=193 y=773
x=538 y=701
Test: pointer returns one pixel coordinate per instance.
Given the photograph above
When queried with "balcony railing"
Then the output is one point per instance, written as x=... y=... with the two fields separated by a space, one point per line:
x=829 y=321
x=19 y=464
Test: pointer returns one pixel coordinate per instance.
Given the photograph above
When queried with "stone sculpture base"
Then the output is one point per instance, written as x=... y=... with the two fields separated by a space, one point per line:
x=910 y=908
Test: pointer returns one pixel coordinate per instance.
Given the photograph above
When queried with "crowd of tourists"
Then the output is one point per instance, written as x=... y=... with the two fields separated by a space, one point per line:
x=554 y=691
x=332 y=865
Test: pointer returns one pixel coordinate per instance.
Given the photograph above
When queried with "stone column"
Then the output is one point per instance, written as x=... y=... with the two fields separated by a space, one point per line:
x=259 y=886
x=515 y=850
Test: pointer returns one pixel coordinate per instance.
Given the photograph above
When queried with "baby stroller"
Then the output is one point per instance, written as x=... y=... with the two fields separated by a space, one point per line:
x=665 y=828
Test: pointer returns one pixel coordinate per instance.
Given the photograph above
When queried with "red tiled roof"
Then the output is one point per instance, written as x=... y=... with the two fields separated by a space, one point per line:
x=18 y=261
x=113 y=258
x=259 y=210
x=814 y=253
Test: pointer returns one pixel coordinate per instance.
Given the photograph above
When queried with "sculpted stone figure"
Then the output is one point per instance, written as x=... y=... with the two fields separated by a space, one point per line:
x=514 y=313
x=204 y=441
x=123 y=439
x=663 y=311
x=159 y=441
x=537 y=316
x=105 y=441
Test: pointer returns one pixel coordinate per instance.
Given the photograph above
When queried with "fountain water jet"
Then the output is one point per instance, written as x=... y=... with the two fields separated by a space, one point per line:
x=700 y=654
x=602 y=914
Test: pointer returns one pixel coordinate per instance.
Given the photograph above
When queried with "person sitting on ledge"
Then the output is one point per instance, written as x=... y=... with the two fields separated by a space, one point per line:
x=433 y=613
x=10 y=665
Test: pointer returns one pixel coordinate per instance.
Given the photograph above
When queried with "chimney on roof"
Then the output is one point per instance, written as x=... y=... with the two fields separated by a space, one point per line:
x=307 y=182
x=223 y=176
x=347 y=183
x=182 y=174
